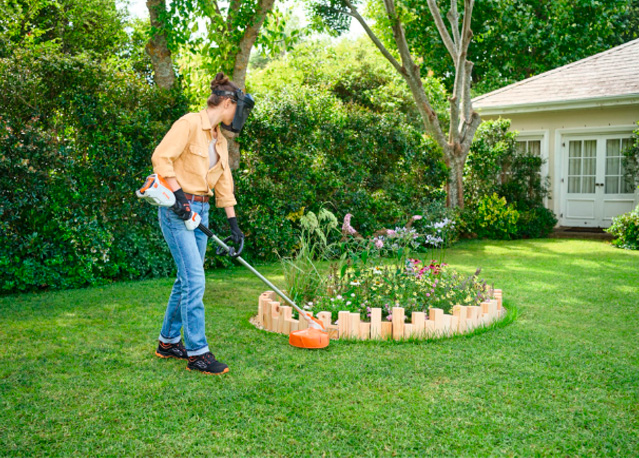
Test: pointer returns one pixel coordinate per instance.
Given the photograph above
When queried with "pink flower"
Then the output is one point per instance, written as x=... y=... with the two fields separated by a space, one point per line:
x=417 y=217
x=391 y=232
x=379 y=243
x=427 y=294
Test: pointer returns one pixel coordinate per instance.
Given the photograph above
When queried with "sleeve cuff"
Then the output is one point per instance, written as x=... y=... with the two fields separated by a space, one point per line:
x=225 y=202
x=164 y=170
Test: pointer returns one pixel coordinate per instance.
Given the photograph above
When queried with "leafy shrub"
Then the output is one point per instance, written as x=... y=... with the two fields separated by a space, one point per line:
x=535 y=223
x=304 y=148
x=495 y=167
x=75 y=142
x=492 y=217
x=625 y=228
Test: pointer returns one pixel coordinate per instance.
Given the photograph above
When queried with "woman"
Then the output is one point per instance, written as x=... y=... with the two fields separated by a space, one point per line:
x=193 y=159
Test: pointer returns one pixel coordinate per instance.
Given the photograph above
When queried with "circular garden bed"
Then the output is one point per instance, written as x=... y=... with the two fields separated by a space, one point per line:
x=275 y=317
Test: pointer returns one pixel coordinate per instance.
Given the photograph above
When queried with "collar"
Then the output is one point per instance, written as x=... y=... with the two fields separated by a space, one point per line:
x=206 y=122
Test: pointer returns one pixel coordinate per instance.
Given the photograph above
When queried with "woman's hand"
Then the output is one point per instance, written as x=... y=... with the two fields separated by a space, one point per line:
x=236 y=234
x=182 y=207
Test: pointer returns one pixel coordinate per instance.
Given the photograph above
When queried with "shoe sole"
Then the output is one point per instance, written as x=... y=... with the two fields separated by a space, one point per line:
x=167 y=356
x=208 y=373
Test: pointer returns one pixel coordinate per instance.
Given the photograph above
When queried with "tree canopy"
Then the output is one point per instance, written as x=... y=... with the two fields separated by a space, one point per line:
x=516 y=39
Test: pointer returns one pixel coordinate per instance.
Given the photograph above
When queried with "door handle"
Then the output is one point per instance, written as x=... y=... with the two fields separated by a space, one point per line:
x=599 y=184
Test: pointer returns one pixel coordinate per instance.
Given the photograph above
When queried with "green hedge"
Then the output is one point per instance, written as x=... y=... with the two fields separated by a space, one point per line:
x=75 y=142
x=76 y=139
x=305 y=148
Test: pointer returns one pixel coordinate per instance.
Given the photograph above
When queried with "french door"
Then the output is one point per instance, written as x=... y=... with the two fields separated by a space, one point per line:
x=594 y=182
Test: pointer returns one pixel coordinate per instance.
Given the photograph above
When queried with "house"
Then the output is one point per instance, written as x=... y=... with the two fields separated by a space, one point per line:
x=579 y=118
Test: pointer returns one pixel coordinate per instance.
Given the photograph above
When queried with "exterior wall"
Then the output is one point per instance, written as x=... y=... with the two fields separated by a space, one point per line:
x=552 y=125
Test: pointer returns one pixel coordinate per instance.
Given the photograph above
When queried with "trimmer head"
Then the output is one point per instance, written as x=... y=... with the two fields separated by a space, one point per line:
x=309 y=338
x=313 y=337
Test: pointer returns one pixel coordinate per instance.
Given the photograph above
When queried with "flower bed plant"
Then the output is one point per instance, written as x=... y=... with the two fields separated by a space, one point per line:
x=416 y=286
x=378 y=271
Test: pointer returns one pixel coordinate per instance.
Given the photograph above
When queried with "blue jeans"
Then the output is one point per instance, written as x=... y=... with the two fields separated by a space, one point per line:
x=185 y=309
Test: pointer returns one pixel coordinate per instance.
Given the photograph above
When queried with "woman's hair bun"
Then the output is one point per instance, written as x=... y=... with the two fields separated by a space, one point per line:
x=220 y=80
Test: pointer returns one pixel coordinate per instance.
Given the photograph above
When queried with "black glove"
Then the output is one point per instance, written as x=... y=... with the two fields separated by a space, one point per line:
x=181 y=207
x=236 y=233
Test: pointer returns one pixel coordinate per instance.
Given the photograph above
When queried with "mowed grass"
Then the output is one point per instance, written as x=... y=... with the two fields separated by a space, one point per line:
x=78 y=375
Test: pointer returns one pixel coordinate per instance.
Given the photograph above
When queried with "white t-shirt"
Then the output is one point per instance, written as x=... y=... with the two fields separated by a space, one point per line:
x=213 y=156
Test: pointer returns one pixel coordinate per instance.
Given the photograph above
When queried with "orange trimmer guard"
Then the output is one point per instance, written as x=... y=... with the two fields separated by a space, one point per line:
x=309 y=338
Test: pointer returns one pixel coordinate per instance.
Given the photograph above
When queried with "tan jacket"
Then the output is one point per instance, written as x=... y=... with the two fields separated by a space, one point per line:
x=183 y=153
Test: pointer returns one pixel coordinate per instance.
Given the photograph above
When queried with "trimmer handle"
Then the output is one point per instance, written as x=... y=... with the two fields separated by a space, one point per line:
x=206 y=230
x=220 y=250
x=234 y=253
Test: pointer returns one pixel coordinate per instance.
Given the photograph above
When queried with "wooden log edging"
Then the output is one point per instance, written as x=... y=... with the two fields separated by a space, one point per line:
x=275 y=317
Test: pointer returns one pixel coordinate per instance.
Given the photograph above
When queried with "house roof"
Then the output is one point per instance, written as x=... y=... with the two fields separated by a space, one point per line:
x=608 y=77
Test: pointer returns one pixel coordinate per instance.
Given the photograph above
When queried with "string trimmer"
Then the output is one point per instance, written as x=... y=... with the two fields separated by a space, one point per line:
x=156 y=191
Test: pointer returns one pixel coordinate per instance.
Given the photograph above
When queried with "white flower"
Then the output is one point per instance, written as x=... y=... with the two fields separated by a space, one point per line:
x=354 y=283
x=310 y=303
x=332 y=299
x=348 y=303
x=306 y=307
x=339 y=296
x=352 y=294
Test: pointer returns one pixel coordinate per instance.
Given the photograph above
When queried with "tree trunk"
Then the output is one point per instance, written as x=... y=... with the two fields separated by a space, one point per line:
x=157 y=47
x=455 y=184
x=240 y=67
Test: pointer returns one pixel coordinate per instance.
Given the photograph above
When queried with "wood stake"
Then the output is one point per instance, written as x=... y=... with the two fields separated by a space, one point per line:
x=408 y=330
x=460 y=312
x=498 y=296
x=288 y=326
x=354 y=326
x=398 y=323
x=419 y=323
x=268 y=315
x=344 y=323
x=387 y=330
x=303 y=322
x=325 y=318
x=437 y=317
x=285 y=314
x=376 y=323
x=333 y=332
x=275 y=316
x=295 y=324
x=364 y=331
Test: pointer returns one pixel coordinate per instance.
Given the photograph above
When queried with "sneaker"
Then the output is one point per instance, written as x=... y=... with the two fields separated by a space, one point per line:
x=175 y=350
x=206 y=363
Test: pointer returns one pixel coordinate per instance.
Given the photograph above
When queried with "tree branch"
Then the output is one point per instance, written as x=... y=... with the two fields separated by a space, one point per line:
x=469 y=131
x=248 y=40
x=453 y=130
x=354 y=13
x=441 y=27
x=234 y=7
x=467 y=33
x=466 y=101
x=453 y=18
x=413 y=78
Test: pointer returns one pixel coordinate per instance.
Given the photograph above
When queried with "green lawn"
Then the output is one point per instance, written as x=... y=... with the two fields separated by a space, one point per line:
x=78 y=375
